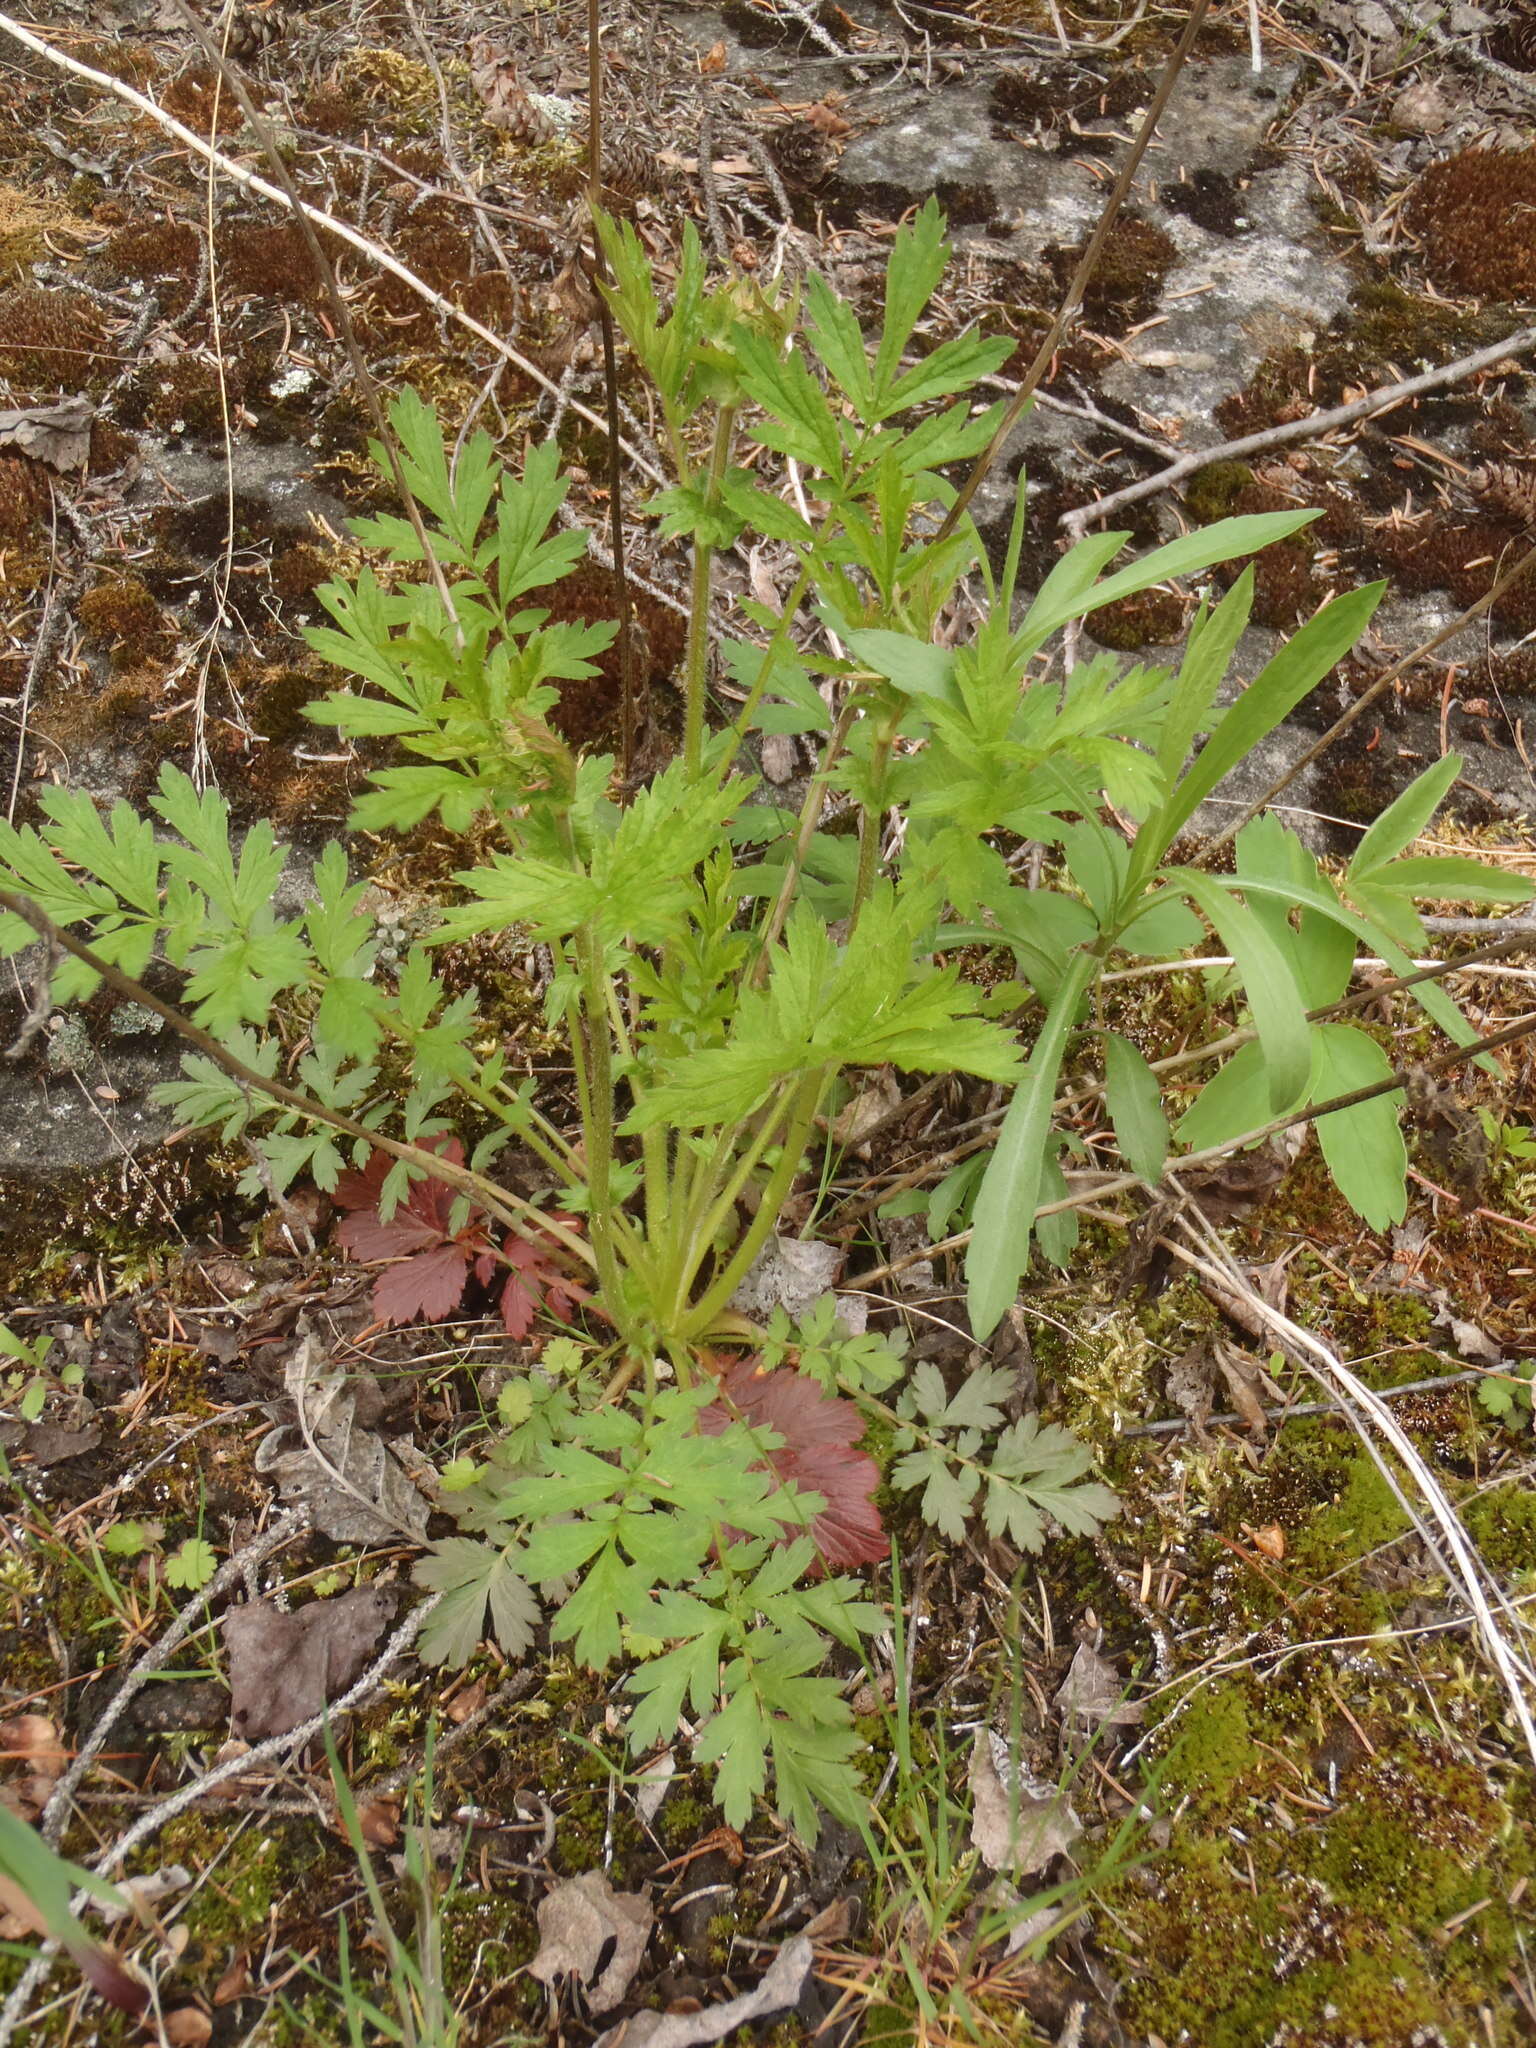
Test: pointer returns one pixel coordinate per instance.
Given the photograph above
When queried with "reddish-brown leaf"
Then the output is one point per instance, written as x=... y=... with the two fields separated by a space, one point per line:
x=819 y=1431
x=535 y=1279
x=431 y=1285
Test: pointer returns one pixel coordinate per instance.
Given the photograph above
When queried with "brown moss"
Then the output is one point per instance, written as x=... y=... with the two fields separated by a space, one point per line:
x=1151 y=618
x=122 y=612
x=269 y=260
x=1125 y=285
x=25 y=498
x=300 y=569
x=50 y=340
x=166 y=254
x=200 y=103
x=1209 y=198
x=1476 y=216
x=187 y=396
x=1464 y=556
x=588 y=712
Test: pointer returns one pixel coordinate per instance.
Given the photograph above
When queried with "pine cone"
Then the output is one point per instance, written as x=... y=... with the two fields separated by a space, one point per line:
x=507 y=106
x=630 y=169
x=802 y=153
x=253 y=30
x=1509 y=487
x=1514 y=43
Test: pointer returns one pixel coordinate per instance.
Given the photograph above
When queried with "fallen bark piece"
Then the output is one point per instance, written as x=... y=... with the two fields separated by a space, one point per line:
x=59 y=435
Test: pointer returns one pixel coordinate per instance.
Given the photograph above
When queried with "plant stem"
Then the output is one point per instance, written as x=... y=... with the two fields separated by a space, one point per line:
x=872 y=815
x=590 y=1028
x=802 y=1117
x=697 y=664
x=810 y=813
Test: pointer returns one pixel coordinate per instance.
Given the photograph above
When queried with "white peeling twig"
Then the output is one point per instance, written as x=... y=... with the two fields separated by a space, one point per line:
x=1368 y=1413
x=1521 y=342
x=232 y=1572
x=15 y=2010
x=343 y=230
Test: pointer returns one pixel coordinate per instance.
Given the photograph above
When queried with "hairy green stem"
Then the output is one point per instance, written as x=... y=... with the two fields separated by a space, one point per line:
x=696 y=665
x=802 y=1118
x=805 y=832
x=872 y=812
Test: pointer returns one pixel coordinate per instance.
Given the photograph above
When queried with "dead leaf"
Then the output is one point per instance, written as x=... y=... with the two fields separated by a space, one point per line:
x=468 y=1701
x=871 y=1106
x=188 y=2027
x=828 y=120
x=355 y=1489
x=235 y=1983
x=59 y=435
x=1018 y=1822
x=1470 y=1341
x=790 y=1274
x=1092 y=1696
x=580 y=1921
x=780 y=1989
x=140 y=1895
x=284 y=1668
x=52 y=1443
x=1245 y=1378
x=1270 y=1539
x=33 y=1739
x=714 y=60
x=653 y=1782
x=1190 y=1384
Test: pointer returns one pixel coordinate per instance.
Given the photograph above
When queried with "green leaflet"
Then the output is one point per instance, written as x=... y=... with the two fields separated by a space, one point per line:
x=1004 y=1213
x=1135 y=1107
x=1364 y=1145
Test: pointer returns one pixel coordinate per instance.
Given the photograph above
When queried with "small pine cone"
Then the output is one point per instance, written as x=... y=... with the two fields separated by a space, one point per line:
x=507 y=106
x=1509 y=487
x=1514 y=43
x=630 y=169
x=801 y=152
x=254 y=29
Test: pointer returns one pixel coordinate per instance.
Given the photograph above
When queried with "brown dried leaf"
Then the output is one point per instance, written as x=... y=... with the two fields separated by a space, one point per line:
x=714 y=60
x=33 y=1739
x=582 y=1919
x=354 y=1487
x=59 y=435
x=284 y=1668
x=235 y=1983
x=780 y=1989
x=1092 y=1696
x=1018 y=1822
x=1245 y=1379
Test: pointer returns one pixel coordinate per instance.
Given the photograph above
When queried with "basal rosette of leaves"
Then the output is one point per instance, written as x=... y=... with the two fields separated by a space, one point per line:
x=718 y=963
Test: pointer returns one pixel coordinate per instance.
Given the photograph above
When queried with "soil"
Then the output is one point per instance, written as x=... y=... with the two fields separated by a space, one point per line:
x=1318 y=1827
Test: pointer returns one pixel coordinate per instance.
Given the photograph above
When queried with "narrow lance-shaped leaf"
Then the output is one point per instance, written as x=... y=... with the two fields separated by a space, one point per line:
x=1278 y=1013
x=1273 y=694
x=1405 y=818
x=1135 y=1107
x=1004 y=1214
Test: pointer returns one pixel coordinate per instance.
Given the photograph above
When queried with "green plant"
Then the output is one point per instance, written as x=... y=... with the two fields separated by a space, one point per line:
x=31 y=1379
x=717 y=964
x=411 y=2007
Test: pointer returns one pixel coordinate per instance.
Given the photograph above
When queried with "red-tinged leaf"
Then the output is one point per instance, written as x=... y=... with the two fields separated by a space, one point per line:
x=819 y=1432
x=535 y=1281
x=421 y=1219
x=431 y=1285
x=519 y=1306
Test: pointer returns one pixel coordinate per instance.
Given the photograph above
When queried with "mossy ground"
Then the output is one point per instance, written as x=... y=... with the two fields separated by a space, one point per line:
x=1345 y=1835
